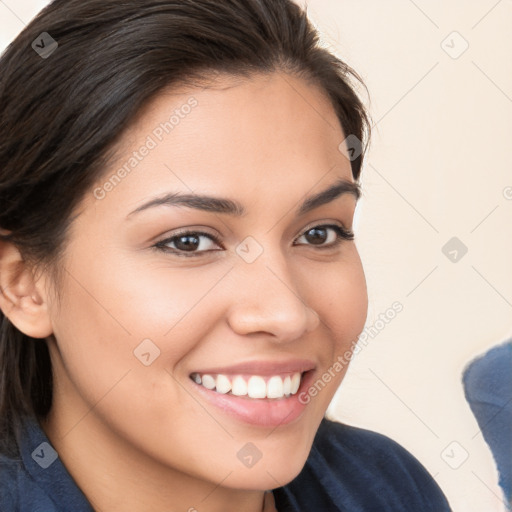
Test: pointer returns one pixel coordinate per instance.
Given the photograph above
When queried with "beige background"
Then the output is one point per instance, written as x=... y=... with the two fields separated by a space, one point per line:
x=439 y=167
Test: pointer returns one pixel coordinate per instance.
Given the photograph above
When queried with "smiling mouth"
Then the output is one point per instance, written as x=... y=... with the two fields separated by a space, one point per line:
x=251 y=386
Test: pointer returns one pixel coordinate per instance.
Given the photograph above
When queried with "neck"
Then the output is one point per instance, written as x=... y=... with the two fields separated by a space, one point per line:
x=115 y=476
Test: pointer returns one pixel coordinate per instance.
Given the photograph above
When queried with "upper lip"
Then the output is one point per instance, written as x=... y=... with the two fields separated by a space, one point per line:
x=262 y=367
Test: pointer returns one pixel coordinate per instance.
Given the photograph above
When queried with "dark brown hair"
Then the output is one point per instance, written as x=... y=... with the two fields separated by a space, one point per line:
x=60 y=117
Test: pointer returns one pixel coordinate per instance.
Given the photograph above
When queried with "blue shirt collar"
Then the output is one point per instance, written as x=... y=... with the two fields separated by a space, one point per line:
x=44 y=465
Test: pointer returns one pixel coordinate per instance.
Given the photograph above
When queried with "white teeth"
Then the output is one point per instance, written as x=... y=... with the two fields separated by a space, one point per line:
x=223 y=384
x=275 y=387
x=255 y=387
x=208 y=382
x=239 y=387
x=287 y=385
x=295 y=383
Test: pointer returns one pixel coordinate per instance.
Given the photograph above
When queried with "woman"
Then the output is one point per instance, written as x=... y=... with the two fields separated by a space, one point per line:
x=177 y=265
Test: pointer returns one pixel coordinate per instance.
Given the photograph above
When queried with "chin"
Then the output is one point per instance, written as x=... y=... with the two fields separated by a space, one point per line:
x=263 y=481
x=270 y=472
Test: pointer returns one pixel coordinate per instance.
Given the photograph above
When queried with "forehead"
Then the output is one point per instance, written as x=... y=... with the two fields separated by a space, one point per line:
x=241 y=135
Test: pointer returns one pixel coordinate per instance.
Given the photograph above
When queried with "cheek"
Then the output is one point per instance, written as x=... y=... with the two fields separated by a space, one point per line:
x=342 y=299
x=99 y=328
x=131 y=301
x=339 y=296
x=113 y=315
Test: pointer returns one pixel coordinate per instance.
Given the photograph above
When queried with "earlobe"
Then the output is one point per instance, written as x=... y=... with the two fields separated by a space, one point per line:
x=22 y=297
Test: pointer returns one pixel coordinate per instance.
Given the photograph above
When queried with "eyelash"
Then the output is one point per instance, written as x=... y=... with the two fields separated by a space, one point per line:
x=341 y=232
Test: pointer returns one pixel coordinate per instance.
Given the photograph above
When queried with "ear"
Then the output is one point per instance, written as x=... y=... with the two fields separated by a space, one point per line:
x=22 y=299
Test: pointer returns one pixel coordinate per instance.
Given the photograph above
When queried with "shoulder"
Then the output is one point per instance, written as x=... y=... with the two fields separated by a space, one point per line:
x=357 y=443
x=22 y=488
x=18 y=490
x=9 y=475
x=367 y=451
x=354 y=469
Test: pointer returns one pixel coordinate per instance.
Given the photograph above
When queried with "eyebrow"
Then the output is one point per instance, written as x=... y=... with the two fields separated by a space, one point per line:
x=232 y=207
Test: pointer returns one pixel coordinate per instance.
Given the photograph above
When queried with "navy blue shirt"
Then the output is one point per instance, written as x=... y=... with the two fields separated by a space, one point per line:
x=349 y=469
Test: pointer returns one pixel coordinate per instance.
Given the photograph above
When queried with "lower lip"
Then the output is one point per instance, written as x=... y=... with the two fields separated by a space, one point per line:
x=259 y=411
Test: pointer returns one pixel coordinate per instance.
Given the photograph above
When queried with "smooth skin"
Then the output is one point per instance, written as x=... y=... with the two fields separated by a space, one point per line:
x=141 y=438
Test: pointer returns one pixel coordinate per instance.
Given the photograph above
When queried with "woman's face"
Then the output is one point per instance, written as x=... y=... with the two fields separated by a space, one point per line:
x=251 y=292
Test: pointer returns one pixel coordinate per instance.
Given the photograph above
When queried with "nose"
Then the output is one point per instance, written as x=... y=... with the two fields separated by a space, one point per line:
x=267 y=301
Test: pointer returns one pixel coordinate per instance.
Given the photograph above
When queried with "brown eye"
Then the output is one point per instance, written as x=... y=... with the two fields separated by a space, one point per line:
x=316 y=235
x=190 y=243
x=187 y=242
x=326 y=235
